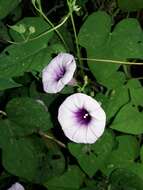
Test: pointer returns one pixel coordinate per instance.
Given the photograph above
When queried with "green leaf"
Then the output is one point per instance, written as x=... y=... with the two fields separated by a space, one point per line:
x=40 y=60
x=123 y=179
x=127 y=39
x=123 y=43
x=39 y=25
x=128 y=147
x=25 y=116
x=114 y=101
x=30 y=115
x=98 y=183
x=48 y=99
x=7 y=6
x=19 y=28
x=128 y=120
x=57 y=48
x=70 y=180
x=91 y=158
x=96 y=31
x=43 y=57
x=136 y=168
x=28 y=158
x=7 y=83
x=136 y=92
x=16 y=59
x=9 y=131
x=67 y=35
x=129 y=5
x=96 y=36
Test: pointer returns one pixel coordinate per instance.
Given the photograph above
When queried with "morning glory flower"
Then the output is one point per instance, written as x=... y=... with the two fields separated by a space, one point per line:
x=82 y=118
x=16 y=186
x=58 y=73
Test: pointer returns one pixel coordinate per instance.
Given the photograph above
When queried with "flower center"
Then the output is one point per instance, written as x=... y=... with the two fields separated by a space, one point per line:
x=60 y=73
x=82 y=116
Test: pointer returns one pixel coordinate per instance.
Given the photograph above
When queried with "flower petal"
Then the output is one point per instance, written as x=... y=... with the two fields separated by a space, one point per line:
x=73 y=127
x=97 y=127
x=98 y=114
x=80 y=136
x=91 y=137
x=58 y=73
x=16 y=186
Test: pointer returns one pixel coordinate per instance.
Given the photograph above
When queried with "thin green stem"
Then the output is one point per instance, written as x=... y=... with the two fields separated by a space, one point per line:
x=52 y=29
x=53 y=139
x=109 y=187
x=112 y=61
x=43 y=34
x=137 y=78
x=50 y=23
x=76 y=38
x=23 y=36
x=126 y=71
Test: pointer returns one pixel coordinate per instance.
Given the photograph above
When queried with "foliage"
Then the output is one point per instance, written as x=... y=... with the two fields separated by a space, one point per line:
x=106 y=39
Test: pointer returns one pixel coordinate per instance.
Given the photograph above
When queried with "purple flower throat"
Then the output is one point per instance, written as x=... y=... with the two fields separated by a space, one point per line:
x=60 y=73
x=82 y=116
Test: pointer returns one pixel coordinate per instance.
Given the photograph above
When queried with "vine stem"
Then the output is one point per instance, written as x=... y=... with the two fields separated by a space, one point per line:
x=50 y=23
x=75 y=35
x=112 y=61
x=137 y=78
x=43 y=34
x=52 y=29
x=53 y=139
x=126 y=71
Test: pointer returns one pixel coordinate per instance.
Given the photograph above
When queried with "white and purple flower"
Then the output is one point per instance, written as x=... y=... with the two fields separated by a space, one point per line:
x=16 y=186
x=58 y=73
x=82 y=118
